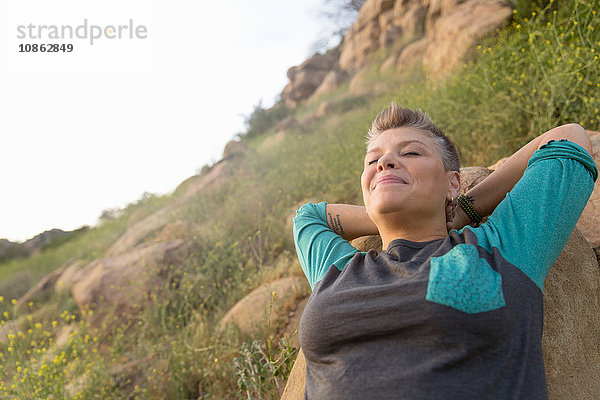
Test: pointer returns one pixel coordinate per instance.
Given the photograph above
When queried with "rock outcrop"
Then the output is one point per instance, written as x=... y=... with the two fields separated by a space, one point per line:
x=40 y=290
x=456 y=31
x=570 y=342
x=294 y=388
x=234 y=148
x=332 y=80
x=440 y=34
x=251 y=313
x=137 y=233
x=306 y=78
x=65 y=280
x=449 y=28
x=116 y=287
x=217 y=174
x=589 y=223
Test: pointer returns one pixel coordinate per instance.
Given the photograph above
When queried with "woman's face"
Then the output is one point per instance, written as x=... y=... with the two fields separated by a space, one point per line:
x=403 y=171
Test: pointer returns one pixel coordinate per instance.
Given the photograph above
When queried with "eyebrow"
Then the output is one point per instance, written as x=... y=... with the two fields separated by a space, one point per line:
x=401 y=144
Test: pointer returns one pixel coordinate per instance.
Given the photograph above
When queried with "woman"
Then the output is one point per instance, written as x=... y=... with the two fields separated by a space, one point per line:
x=446 y=310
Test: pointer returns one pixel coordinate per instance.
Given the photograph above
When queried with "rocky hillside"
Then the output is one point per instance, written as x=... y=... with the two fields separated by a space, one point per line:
x=198 y=294
x=439 y=35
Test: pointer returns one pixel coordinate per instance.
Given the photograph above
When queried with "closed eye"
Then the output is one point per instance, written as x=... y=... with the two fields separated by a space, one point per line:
x=373 y=161
x=411 y=153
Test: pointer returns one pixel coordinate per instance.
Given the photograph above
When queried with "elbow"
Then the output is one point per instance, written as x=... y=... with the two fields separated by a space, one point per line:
x=575 y=128
x=572 y=132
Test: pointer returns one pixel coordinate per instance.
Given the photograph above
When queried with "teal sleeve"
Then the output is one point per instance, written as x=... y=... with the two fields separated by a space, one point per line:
x=318 y=247
x=532 y=224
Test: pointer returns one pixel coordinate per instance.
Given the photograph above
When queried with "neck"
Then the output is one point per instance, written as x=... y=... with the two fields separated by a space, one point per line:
x=419 y=231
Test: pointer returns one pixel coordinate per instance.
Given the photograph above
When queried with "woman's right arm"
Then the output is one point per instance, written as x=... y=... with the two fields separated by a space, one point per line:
x=350 y=221
x=493 y=189
x=535 y=200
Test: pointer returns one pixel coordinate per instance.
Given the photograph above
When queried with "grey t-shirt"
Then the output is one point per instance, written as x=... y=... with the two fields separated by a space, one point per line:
x=453 y=318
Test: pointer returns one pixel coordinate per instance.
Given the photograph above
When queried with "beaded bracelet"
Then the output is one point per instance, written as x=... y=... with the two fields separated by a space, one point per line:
x=466 y=203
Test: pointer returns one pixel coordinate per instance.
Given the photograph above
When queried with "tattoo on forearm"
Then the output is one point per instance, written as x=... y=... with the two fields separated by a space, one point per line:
x=336 y=224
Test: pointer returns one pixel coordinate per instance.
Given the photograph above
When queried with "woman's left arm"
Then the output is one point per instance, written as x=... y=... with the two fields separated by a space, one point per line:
x=492 y=190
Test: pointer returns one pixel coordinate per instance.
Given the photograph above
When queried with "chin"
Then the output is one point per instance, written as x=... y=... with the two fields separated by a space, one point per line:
x=386 y=208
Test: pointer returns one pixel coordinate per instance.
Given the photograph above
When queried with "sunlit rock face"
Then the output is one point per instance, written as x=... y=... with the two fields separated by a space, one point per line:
x=589 y=222
x=450 y=29
x=307 y=77
x=439 y=34
x=116 y=288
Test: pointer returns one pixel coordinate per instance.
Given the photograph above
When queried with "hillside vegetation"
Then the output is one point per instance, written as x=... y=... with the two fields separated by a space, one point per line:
x=539 y=72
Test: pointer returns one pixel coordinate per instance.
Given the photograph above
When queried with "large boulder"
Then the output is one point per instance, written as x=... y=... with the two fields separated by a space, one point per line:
x=307 y=77
x=409 y=16
x=212 y=177
x=251 y=313
x=140 y=231
x=215 y=174
x=438 y=9
x=412 y=54
x=332 y=80
x=294 y=388
x=65 y=280
x=234 y=148
x=589 y=223
x=362 y=38
x=41 y=290
x=120 y=284
x=452 y=36
x=571 y=342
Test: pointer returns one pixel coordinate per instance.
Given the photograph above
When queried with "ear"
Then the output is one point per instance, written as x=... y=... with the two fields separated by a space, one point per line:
x=453 y=185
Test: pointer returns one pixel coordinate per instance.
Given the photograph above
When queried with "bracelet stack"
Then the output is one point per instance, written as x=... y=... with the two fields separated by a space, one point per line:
x=466 y=203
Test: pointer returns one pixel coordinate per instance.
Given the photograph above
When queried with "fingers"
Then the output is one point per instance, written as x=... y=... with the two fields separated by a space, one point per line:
x=450 y=215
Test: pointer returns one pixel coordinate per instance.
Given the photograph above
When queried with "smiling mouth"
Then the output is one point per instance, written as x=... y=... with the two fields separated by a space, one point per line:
x=386 y=179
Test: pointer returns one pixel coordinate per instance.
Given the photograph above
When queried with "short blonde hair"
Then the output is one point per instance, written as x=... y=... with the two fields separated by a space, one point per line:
x=398 y=117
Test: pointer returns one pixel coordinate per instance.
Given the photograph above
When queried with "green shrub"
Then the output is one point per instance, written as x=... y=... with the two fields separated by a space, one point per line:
x=261 y=119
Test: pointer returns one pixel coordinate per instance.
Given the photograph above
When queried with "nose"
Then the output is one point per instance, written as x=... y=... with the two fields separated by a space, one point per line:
x=386 y=162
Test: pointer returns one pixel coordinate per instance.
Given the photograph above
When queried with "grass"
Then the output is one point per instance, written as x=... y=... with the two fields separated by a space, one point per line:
x=539 y=72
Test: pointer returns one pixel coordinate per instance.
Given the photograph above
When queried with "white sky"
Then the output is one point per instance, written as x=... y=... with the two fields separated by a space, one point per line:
x=93 y=129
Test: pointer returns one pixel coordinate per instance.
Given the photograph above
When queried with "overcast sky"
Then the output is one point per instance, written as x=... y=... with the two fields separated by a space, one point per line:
x=95 y=128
